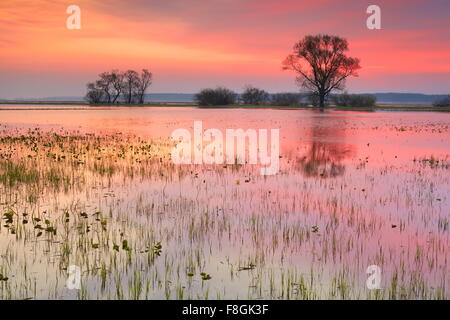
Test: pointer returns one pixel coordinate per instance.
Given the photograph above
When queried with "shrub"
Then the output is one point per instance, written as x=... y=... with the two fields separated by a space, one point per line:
x=443 y=102
x=215 y=97
x=286 y=99
x=354 y=100
x=254 y=96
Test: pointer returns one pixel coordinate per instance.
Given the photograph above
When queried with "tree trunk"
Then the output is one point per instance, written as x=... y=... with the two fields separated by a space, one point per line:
x=321 y=99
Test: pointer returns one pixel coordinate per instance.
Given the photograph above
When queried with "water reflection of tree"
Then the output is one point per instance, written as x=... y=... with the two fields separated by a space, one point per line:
x=323 y=158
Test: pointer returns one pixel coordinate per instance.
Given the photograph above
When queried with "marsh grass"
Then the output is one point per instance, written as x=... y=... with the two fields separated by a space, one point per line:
x=140 y=227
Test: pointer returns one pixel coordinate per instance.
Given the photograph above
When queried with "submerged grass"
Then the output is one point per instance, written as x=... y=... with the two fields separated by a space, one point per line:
x=140 y=227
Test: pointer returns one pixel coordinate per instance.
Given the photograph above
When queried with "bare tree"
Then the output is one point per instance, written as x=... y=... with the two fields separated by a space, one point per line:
x=131 y=82
x=322 y=64
x=118 y=84
x=144 y=81
x=106 y=85
x=94 y=94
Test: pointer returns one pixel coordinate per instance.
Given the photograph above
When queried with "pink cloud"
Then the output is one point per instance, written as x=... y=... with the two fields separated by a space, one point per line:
x=201 y=40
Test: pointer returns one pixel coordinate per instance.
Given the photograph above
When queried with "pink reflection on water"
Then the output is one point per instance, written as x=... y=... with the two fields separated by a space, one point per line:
x=375 y=185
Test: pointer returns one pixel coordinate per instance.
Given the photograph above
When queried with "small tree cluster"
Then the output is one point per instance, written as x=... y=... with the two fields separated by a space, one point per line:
x=354 y=100
x=254 y=96
x=115 y=86
x=445 y=102
x=286 y=99
x=216 y=97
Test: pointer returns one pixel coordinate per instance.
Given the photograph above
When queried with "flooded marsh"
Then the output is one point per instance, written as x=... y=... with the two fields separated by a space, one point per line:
x=97 y=189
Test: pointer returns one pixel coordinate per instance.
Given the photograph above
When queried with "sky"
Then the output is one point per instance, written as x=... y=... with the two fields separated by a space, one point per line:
x=189 y=45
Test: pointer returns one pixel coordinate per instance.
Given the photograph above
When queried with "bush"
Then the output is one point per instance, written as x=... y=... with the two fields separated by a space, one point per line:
x=354 y=100
x=286 y=99
x=215 y=97
x=443 y=102
x=254 y=96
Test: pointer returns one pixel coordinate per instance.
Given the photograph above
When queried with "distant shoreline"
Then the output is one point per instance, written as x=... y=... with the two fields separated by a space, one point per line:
x=381 y=107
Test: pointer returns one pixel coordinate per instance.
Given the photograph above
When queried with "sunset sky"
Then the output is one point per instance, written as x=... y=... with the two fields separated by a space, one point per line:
x=193 y=44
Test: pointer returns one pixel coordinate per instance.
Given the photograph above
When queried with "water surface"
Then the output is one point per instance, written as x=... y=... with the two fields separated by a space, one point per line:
x=354 y=189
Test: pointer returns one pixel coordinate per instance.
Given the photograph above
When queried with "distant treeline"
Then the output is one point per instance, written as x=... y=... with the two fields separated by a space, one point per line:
x=321 y=63
x=253 y=96
x=113 y=87
x=187 y=98
x=129 y=87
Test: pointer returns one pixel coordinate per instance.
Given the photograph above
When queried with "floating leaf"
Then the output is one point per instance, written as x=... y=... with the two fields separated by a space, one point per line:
x=205 y=276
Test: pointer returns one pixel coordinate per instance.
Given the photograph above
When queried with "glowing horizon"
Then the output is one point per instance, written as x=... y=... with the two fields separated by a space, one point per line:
x=190 y=45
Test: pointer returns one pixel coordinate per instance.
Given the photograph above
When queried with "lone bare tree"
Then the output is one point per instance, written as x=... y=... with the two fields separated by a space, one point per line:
x=321 y=64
